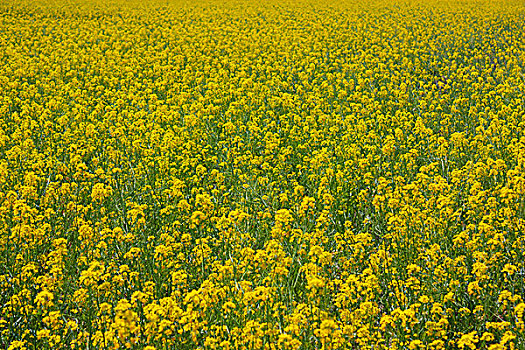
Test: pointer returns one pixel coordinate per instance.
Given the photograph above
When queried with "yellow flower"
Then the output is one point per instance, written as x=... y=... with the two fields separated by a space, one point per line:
x=228 y=306
x=424 y=299
x=17 y=344
x=468 y=340
x=100 y=192
x=44 y=299
x=510 y=269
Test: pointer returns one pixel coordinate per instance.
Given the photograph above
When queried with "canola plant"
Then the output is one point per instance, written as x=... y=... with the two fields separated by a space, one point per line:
x=262 y=174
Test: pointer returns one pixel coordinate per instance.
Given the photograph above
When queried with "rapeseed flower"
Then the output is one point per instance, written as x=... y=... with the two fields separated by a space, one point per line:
x=279 y=174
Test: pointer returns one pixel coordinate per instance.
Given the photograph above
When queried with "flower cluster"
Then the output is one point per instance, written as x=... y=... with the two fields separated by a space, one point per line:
x=262 y=174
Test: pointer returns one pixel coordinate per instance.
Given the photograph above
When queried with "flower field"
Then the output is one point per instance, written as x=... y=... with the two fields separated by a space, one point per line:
x=262 y=174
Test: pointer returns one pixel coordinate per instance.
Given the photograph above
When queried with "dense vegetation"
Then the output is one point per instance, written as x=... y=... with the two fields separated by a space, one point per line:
x=262 y=174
